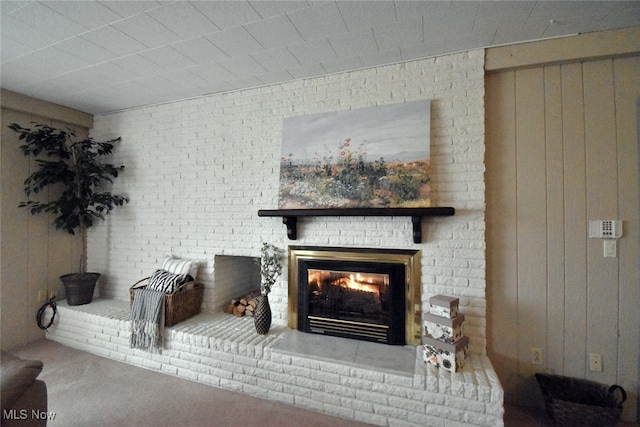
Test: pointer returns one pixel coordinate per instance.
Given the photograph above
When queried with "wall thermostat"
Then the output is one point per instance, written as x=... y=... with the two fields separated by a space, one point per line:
x=605 y=229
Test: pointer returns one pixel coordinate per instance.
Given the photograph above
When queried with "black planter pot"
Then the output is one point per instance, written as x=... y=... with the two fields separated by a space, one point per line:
x=79 y=287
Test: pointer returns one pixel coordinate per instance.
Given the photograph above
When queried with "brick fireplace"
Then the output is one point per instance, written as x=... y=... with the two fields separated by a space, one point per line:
x=198 y=197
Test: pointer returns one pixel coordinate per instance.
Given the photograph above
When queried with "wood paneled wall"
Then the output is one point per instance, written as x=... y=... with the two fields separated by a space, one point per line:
x=562 y=149
x=34 y=254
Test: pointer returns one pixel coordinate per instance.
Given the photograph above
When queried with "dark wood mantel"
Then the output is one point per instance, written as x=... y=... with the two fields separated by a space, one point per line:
x=290 y=216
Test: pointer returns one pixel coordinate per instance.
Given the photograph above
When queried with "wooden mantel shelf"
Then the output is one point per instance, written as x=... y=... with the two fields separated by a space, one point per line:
x=290 y=216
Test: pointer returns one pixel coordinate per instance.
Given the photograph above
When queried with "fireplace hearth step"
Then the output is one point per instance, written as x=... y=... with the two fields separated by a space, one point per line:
x=359 y=380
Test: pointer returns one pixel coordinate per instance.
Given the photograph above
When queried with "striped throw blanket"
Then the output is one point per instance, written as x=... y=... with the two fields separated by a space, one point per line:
x=147 y=320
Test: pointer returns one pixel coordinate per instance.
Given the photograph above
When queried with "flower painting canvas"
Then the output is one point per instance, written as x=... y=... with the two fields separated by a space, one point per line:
x=367 y=158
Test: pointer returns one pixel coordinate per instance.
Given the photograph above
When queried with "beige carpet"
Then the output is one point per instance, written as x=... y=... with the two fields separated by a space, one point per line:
x=89 y=390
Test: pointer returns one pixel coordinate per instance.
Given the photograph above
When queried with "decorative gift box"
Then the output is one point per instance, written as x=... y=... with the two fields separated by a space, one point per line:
x=443 y=328
x=443 y=305
x=443 y=355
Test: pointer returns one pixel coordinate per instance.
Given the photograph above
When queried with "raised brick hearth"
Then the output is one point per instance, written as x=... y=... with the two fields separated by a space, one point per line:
x=391 y=387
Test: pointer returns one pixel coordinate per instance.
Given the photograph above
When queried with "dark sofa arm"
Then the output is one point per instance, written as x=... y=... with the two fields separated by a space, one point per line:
x=23 y=397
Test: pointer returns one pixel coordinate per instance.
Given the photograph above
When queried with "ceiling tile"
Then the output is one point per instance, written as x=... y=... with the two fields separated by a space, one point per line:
x=7 y=6
x=109 y=72
x=245 y=82
x=48 y=21
x=313 y=52
x=275 y=32
x=114 y=40
x=468 y=42
x=381 y=58
x=235 y=41
x=212 y=72
x=627 y=15
x=146 y=30
x=361 y=15
x=455 y=23
x=89 y=14
x=337 y=66
x=217 y=87
x=12 y=49
x=167 y=58
x=183 y=78
x=267 y=9
x=242 y=66
x=318 y=22
x=72 y=82
x=61 y=61
x=411 y=9
x=31 y=63
x=349 y=45
x=274 y=59
x=305 y=71
x=83 y=48
x=159 y=83
x=398 y=33
x=138 y=65
x=127 y=8
x=227 y=14
x=278 y=76
x=429 y=48
x=14 y=77
x=491 y=15
x=12 y=28
x=183 y=19
x=200 y=50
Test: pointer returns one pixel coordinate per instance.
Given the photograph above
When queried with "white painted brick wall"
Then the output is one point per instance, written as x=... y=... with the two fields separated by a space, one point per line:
x=197 y=171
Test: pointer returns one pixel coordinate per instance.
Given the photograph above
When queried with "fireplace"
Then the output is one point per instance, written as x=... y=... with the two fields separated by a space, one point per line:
x=358 y=293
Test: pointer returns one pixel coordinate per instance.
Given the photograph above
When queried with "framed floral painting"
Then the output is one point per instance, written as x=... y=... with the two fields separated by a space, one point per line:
x=373 y=157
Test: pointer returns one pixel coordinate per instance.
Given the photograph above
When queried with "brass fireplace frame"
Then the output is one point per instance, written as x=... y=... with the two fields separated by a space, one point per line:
x=408 y=257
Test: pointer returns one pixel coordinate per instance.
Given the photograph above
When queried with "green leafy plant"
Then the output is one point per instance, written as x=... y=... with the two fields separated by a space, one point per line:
x=75 y=169
x=270 y=266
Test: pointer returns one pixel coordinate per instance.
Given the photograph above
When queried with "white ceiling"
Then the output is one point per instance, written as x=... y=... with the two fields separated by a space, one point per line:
x=101 y=56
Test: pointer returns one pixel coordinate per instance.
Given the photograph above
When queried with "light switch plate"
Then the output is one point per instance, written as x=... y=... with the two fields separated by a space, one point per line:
x=610 y=248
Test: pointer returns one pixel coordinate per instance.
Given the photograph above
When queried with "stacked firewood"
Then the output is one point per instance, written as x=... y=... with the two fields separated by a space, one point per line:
x=244 y=306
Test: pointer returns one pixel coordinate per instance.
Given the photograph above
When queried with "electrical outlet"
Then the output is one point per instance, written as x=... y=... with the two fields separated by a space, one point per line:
x=53 y=294
x=536 y=356
x=595 y=362
x=42 y=295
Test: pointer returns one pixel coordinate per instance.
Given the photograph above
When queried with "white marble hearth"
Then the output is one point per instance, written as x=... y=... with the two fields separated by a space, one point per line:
x=372 y=383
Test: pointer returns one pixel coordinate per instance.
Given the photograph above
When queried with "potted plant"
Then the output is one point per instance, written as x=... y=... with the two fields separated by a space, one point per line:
x=74 y=168
x=270 y=268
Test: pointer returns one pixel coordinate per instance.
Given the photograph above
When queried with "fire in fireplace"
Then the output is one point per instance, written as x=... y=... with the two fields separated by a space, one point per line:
x=365 y=294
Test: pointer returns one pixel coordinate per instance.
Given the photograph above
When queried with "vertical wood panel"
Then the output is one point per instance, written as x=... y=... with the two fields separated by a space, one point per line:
x=32 y=247
x=15 y=238
x=627 y=99
x=602 y=203
x=531 y=213
x=590 y=160
x=555 y=218
x=575 y=222
x=502 y=283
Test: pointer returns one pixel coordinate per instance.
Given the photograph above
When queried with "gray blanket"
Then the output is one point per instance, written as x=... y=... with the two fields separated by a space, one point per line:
x=147 y=320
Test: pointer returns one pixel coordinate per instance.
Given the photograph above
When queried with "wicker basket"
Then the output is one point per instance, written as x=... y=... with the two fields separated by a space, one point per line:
x=576 y=402
x=180 y=305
